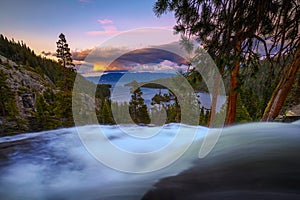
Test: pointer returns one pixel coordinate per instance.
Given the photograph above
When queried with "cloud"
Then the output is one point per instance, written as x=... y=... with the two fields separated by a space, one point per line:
x=84 y=1
x=168 y=63
x=80 y=55
x=123 y=58
x=48 y=53
x=150 y=59
x=154 y=58
x=152 y=55
x=105 y=21
x=100 y=59
x=108 y=30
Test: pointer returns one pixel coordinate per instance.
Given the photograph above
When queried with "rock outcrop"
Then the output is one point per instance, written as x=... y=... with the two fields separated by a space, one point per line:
x=25 y=84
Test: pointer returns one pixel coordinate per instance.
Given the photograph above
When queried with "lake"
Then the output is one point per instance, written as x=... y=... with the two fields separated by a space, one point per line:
x=122 y=77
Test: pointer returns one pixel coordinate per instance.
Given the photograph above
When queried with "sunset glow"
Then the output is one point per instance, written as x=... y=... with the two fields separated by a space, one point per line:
x=99 y=67
x=86 y=23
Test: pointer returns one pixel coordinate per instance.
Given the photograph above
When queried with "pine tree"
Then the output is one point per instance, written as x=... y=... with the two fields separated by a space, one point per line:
x=45 y=116
x=138 y=108
x=63 y=108
x=242 y=115
x=207 y=114
x=42 y=114
x=105 y=112
x=64 y=56
x=202 y=117
x=3 y=91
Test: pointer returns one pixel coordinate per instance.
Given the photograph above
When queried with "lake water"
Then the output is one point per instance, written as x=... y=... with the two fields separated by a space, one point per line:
x=117 y=77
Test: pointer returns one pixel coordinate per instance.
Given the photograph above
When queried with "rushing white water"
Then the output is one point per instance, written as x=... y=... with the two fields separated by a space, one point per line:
x=56 y=165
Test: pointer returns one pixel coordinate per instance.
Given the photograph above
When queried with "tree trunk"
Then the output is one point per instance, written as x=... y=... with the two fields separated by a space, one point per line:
x=65 y=76
x=282 y=90
x=297 y=93
x=232 y=96
x=213 y=108
x=3 y=109
x=178 y=112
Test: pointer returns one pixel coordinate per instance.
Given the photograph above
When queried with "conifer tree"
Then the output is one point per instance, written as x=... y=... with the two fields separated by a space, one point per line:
x=64 y=56
x=3 y=92
x=105 y=112
x=138 y=108
x=202 y=117
x=42 y=114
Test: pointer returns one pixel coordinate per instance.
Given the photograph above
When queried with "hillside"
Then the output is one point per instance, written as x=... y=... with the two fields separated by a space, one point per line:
x=28 y=100
x=22 y=88
x=35 y=94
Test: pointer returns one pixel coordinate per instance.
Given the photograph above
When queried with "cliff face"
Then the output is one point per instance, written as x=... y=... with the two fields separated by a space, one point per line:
x=25 y=85
x=34 y=96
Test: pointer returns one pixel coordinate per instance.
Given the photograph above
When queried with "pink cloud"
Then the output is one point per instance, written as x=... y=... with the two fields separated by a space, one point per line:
x=105 y=21
x=168 y=63
x=85 y=1
x=108 y=30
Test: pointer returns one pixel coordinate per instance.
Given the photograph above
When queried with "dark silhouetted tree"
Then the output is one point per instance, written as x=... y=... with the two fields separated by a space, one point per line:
x=64 y=56
x=227 y=29
x=3 y=91
x=284 y=53
x=138 y=108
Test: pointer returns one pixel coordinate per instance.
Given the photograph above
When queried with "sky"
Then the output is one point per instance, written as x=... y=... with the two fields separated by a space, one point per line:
x=86 y=23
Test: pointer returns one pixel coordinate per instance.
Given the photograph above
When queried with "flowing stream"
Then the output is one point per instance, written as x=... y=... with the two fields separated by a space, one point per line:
x=56 y=165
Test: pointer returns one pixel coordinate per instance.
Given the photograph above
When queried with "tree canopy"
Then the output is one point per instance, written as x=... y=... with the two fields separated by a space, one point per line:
x=237 y=33
x=63 y=52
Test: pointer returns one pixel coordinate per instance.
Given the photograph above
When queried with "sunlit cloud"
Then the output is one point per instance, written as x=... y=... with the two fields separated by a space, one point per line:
x=99 y=67
x=123 y=58
x=105 y=21
x=92 y=60
x=104 y=54
x=48 y=53
x=168 y=63
x=108 y=30
x=100 y=59
x=80 y=55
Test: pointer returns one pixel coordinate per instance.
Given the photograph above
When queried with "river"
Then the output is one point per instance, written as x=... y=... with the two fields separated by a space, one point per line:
x=56 y=164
